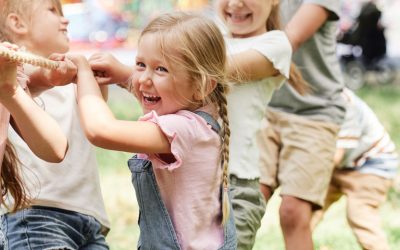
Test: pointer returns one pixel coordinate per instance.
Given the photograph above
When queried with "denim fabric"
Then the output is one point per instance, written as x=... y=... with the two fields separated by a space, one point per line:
x=44 y=228
x=154 y=220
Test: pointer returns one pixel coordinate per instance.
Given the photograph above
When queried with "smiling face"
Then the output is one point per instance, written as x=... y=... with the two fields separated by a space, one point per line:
x=48 y=29
x=159 y=86
x=245 y=18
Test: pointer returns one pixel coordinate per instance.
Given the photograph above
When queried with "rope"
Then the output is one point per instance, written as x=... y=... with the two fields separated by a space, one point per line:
x=24 y=57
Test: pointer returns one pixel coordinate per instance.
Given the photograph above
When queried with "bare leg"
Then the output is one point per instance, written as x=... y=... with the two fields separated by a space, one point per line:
x=295 y=218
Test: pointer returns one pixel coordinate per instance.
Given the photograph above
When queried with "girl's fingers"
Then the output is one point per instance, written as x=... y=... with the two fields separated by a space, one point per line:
x=57 y=57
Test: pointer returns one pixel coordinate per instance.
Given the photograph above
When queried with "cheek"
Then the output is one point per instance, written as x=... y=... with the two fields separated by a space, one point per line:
x=135 y=87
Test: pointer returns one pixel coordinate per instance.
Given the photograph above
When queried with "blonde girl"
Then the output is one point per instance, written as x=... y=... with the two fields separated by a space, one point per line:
x=32 y=124
x=179 y=80
x=67 y=209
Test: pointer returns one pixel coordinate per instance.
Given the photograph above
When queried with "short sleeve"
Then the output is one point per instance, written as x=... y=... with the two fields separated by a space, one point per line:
x=333 y=6
x=275 y=46
x=183 y=131
x=351 y=129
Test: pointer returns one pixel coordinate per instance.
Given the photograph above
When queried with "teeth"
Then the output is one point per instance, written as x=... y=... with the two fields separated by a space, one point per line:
x=149 y=96
x=238 y=17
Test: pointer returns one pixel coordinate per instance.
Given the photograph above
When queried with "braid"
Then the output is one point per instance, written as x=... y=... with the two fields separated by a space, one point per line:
x=225 y=134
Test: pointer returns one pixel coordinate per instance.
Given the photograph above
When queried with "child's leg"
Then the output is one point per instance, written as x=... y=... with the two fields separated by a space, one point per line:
x=334 y=194
x=248 y=206
x=365 y=193
x=41 y=228
x=304 y=173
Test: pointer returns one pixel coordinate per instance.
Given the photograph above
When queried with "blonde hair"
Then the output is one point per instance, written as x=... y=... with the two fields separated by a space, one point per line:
x=296 y=80
x=23 y=8
x=200 y=50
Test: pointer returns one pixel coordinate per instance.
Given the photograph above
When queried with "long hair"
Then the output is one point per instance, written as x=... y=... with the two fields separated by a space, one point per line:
x=200 y=49
x=296 y=80
x=10 y=180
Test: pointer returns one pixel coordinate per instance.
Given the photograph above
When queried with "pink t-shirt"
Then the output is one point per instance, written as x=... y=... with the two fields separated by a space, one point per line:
x=190 y=186
x=4 y=121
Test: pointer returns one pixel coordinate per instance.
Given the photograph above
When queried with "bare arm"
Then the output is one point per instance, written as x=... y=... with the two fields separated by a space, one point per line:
x=250 y=66
x=42 y=134
x=100 y=125
x=338 y=157
x=306 y=21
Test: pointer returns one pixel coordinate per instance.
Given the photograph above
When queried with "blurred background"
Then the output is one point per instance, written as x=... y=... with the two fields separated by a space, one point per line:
x=113 y=26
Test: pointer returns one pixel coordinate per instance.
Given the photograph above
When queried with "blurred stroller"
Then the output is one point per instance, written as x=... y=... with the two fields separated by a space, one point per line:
x=362 y=50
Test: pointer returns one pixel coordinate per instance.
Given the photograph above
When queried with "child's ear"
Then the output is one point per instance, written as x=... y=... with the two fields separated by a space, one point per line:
x=211 y=86
x=198 y=95
x=16 y=24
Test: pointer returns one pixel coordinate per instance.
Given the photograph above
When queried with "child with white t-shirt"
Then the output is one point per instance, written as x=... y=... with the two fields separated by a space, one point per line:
x=260 y=62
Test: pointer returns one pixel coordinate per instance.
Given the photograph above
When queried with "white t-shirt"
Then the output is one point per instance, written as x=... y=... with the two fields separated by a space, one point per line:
x=74 y=183
x=247 y=102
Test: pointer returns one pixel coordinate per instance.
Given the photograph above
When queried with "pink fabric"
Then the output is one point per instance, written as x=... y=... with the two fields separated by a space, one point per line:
x=4 y=121
x=190 y=186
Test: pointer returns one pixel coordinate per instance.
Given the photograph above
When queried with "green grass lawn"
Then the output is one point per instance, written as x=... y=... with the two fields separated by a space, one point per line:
x=332 y=233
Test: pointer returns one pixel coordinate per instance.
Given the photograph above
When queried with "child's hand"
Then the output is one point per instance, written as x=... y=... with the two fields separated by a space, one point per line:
x=64 y=74
x=42 y=79
x=79 y=61
x=107 y=69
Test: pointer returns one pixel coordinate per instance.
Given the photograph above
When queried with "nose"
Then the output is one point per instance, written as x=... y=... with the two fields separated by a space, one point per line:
x=64 y=21
x=235 y=3
x=145 y=78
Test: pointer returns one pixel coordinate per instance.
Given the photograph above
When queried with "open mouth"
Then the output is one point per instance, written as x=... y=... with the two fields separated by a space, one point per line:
x=151 y=99
x=238 y=17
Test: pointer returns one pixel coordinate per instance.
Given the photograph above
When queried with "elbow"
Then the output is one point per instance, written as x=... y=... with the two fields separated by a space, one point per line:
x=96 y=135
x=57 y=154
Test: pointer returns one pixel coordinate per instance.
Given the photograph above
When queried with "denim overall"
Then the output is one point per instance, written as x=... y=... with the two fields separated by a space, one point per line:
x=156 y=228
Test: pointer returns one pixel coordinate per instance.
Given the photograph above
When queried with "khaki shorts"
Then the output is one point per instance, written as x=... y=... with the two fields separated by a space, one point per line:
x=296 y=154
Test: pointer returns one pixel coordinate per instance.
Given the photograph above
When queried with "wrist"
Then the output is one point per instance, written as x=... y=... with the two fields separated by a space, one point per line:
x=127 y=84
x=8 y=93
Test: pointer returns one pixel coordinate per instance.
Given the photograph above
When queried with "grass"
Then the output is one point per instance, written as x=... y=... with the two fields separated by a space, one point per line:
x=332 y=233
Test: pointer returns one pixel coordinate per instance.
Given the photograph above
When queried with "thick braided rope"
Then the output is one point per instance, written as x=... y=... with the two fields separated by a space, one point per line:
x=24 y=57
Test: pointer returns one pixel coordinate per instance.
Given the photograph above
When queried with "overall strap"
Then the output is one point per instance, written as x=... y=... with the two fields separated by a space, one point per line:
x=210 y=120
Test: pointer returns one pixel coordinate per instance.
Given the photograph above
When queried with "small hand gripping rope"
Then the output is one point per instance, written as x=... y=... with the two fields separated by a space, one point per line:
x=24 y=57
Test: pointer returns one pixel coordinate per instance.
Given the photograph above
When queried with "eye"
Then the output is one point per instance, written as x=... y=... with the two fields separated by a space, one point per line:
x=53 y=9
x=162 y=69
x=140 y=65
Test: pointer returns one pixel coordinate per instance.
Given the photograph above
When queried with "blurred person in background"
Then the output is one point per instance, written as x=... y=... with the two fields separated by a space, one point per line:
x=366 y=164
x=298 y=144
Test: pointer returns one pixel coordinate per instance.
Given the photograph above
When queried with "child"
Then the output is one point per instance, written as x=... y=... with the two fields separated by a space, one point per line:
x=299 y=142
x=260 y=55
x=33 y=124
x=179 y=82
x=66 y=198
x=366 y=163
